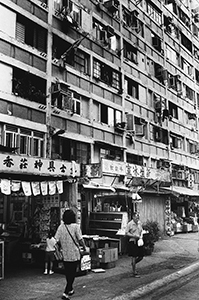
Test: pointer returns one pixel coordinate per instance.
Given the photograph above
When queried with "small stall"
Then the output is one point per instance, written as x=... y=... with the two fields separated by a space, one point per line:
x=184 y=210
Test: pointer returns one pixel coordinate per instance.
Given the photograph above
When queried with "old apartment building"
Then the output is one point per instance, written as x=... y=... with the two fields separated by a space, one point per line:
x=98 y=105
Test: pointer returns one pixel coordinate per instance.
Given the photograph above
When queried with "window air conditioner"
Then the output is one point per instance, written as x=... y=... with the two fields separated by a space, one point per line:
x=112 y=5
x=110 y=31
x=139 y=130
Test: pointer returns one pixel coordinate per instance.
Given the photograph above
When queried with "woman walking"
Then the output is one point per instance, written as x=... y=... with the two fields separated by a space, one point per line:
x=69 y=235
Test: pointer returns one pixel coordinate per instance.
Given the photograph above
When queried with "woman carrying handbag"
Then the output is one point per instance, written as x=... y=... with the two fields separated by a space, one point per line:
x=69 y=235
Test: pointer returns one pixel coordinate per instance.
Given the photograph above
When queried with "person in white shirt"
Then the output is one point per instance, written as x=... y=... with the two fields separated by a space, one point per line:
x=49 y=255
x=134 y=232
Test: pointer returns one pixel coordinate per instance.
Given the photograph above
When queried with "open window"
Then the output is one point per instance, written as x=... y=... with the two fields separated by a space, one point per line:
x=106 y=74
x=105 y=35
x=156 y=42
x=29 y=86
x=31 y=34
x=173 y=110
x=69 y=12
x=160 y=135
x=131 y=88
x=176 y=141
x=130 y=52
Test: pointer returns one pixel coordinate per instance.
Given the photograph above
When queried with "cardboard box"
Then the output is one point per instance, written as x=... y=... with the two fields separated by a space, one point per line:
x=27 y=257
x=106 y=255
x=114 y=254
x=195 y=228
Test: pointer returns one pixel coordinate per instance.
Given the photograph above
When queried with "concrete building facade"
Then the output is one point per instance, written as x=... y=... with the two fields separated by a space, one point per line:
x=108 y=91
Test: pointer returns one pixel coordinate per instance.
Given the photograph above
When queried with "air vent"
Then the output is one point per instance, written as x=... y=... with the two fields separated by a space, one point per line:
x=41 y=106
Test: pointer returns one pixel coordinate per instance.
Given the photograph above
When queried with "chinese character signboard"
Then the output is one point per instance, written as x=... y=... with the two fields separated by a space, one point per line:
x=113 y=167
x=92 y=170
x=38 y=166
x=132 y=170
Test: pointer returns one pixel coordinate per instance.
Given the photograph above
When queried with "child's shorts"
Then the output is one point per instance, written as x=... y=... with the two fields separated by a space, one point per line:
x=49 y=256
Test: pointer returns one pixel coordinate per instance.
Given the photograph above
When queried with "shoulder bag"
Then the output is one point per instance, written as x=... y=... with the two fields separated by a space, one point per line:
x=85 y=261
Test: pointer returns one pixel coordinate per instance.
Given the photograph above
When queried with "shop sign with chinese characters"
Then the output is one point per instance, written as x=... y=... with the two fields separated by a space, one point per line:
x=38 y=166
x=122 y=168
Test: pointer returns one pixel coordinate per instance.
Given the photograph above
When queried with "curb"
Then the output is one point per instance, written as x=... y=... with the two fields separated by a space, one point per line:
x=151 y=287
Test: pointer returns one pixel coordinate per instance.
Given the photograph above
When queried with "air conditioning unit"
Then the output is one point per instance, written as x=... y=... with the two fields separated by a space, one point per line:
x=112 y=5
x=139 y=130
x=110 y=31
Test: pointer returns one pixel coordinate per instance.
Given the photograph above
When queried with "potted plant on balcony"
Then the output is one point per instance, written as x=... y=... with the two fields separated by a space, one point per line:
x=152 y=236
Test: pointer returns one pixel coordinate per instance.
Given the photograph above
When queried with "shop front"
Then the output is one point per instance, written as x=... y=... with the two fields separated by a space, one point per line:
x=33 y=195
x=184 y=209
x=112 y=192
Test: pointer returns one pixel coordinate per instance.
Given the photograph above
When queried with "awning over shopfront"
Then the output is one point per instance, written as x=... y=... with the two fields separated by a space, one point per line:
x=178 y=190
x=122 y=188
x=98 y=186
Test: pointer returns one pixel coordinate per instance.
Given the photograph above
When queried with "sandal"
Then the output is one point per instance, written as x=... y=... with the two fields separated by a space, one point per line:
x=135 y=275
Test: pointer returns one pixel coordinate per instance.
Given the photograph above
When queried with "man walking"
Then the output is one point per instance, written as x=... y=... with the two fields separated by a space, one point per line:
x=135 y=242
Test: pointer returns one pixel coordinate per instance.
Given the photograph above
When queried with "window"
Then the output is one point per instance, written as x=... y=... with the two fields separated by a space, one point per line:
x=105 y=114
x=69 y=11
x=176 y=141
x=131 y=20
x=184 y=18
x=112 y=154
x=130 y=52
x=160 y=73
x=131 y=88
x=76 y=103
x=173 y=110
x=189 y=93
x=25 y=137
x=172 y=55
x=106 y=74
x=192 y=147
x=26 y=141
x=156 y=42
x=31 y=34
x=187 y=68
x=38 y=144
x=186 y=42
x=105 y=35
x=74 y=150
x=29 y=86
x=197 y=76
x=10 y=136
x=160 y=135
x=170 y=27
x=135 y=159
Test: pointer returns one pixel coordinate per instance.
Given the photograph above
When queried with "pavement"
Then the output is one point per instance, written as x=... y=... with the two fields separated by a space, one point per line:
x=173 y=258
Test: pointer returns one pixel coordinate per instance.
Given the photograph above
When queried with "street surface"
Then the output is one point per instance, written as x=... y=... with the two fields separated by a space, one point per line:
x=185 y=288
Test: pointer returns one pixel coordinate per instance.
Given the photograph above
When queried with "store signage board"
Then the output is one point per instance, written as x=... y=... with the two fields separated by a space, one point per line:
x=11 y=163
x=122 y=168
x=113 y=167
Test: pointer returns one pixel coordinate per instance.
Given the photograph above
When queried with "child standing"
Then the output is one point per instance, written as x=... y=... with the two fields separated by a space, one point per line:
x=49 y=252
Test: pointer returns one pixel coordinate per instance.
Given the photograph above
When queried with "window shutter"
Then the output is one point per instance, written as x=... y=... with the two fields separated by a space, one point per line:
x=20 y=32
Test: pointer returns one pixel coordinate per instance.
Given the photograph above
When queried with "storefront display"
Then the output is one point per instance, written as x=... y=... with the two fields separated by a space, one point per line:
x=184 y=214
